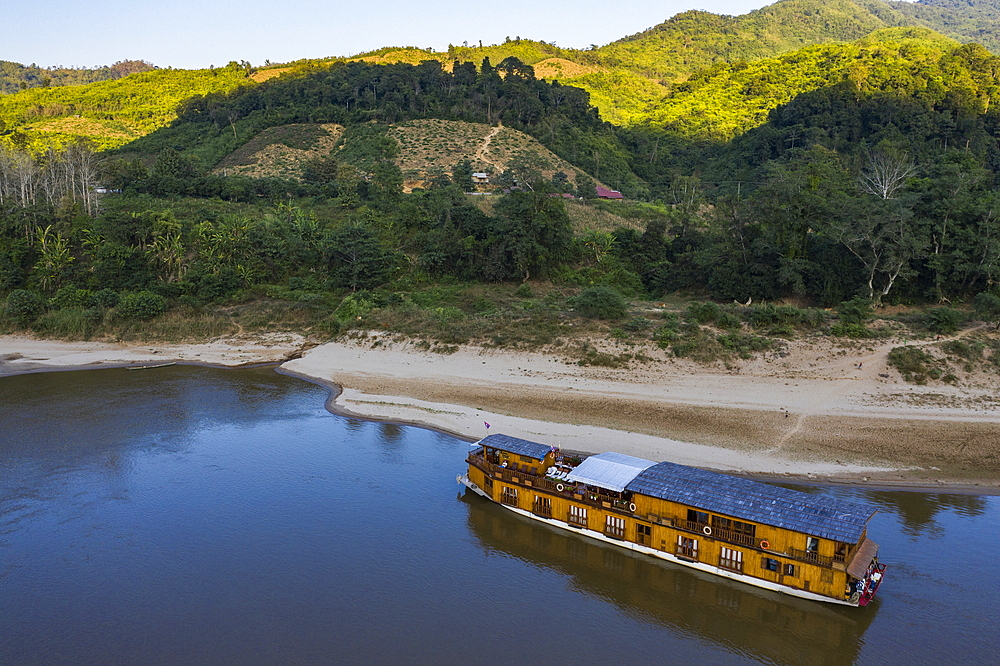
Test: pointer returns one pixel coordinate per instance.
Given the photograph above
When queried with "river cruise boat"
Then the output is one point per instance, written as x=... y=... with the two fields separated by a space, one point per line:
x=808 y=546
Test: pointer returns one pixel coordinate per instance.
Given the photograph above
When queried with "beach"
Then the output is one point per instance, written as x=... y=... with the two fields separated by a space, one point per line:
x=814 y=412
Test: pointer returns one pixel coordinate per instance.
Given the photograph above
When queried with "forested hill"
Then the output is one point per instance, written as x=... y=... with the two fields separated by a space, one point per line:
x=726 y=100
x=693 y=40
x=212 y=126
x=15 y=77
x=964 y=20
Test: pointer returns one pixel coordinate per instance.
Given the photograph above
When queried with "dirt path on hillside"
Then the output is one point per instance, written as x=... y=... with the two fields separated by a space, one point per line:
x=485 y=146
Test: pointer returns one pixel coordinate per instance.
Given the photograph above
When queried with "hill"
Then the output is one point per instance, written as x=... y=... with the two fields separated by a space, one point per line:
x=694 y=40
x=964 y=20
x=632 y=81
x=15 y=77
x=724 y=101
x=109 y=113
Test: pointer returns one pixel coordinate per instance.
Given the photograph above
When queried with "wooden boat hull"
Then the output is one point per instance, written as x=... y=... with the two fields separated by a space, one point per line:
x=463 y=479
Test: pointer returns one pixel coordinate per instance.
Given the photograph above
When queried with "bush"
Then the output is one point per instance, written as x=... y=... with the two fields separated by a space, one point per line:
x=943 y=320
x=601 y=303
x=728 y=321
x=703 y=313
x=142 y=305
x=857 y=331
x=745 y=345
x=784 y=317
x=858 y=310
x=105 y=298
x=914 y=364
x=24 y=307
x=71 y=297
x=637 y=324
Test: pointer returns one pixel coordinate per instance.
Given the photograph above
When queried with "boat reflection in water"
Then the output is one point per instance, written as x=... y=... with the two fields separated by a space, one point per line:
x=758 y=623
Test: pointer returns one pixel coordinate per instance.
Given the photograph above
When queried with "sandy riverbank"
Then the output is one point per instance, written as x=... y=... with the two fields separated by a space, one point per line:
x=811 y=414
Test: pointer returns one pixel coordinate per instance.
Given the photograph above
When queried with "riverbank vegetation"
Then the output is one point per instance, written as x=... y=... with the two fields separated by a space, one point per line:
x=841 y=178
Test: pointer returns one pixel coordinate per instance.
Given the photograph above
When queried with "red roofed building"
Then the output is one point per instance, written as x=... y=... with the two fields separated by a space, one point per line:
x=605 y=193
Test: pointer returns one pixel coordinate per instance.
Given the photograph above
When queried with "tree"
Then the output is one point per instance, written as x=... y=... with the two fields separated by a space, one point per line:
x=880 y=233
x=535 y=231
x=987 y=307
x=885 y=172
x=585 y=186
x=461 y=175
x=321 y=169
x=356 y=258
x=24 y=307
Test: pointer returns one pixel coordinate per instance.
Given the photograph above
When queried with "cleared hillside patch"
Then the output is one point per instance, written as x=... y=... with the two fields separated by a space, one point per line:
x=281 y=151
x=431 y=147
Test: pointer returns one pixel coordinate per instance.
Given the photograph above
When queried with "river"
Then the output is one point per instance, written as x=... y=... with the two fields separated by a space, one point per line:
x=187 y=515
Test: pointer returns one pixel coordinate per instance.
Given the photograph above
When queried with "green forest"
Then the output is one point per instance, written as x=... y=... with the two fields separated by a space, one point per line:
x=846 y=173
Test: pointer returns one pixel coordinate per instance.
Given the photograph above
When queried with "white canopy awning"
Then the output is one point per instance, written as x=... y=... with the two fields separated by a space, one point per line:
x=613 y=471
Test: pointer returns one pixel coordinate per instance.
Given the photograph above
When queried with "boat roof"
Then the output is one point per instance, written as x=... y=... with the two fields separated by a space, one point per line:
x=608 y=470
x=821 y=516
x=521 y=447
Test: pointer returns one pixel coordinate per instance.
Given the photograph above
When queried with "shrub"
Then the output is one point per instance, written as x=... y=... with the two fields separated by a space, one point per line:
x=637 y=324
x=855 y=311
x=703 y=313
x=728 y=321
x=783 y=317
x=943 y=320
x=745 y=345
x=24 y=307
x=858 y=331
x=914 y=364
x=142 y=305
x=105 y=298
x=601 y=303
x=71 y=297
x=353 y=308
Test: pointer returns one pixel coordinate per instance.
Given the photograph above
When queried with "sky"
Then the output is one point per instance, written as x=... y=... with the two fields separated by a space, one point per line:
x=192 y=34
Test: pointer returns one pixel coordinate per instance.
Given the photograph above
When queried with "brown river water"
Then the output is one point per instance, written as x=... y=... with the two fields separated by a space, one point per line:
x=188 y=515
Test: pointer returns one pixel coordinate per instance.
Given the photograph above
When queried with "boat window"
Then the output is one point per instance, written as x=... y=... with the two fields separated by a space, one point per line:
x=687 y=547
x=812 y=544
x=790 y=570
x=730 y=558
x=697 y=516
x=721 y=523
x=769 y=564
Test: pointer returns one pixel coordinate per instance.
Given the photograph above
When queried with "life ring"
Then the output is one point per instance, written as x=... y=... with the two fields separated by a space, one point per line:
x=764 y=545
x=707 y=530
x=631 y=507
x=560 y=487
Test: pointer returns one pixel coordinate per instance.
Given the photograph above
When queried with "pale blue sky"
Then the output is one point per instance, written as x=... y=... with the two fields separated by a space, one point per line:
x=199 y=33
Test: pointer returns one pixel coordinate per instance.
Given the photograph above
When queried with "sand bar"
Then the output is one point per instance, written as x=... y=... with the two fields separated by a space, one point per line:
x=810 y=414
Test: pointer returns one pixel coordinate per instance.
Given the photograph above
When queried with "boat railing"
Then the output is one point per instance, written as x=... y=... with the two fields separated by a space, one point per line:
x=720 y=533
x=809 y=556
x=566 y=488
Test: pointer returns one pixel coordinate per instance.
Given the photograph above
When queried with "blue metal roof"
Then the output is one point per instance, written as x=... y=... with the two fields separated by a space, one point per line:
x=819 y=516
x=521 y=447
